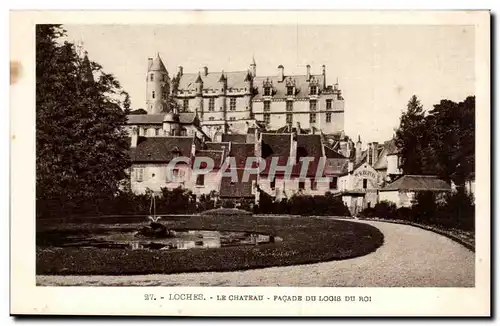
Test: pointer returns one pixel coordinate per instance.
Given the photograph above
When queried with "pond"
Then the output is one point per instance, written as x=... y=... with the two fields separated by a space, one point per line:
x=176 y=239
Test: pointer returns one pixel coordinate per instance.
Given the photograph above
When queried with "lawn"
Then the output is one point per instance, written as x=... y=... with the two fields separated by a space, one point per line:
x=305 y=240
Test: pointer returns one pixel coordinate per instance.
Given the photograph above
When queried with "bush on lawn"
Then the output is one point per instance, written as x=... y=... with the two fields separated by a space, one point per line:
x=300 y=204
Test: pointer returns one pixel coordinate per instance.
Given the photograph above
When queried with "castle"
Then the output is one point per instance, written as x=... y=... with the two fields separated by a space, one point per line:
x=240 y=115
x=233 y=102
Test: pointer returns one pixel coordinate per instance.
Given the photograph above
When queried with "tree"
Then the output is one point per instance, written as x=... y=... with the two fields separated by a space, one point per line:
x=453 y=139
x=410 y=137
x=81 y=147
x=441 y=143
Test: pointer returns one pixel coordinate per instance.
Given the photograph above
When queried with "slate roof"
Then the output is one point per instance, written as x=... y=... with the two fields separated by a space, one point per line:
x=418 y=183
x=216 y=156
x=309 y=146
x=161 y=149
x=157 y=64
x=237 y=189
x=235 y=138
x=336 y=163
x=235 y=79
x=301 y=85
x=241 y=152
x=275 y=145
x=388 y=148
x=330 y=154
x=216 y=146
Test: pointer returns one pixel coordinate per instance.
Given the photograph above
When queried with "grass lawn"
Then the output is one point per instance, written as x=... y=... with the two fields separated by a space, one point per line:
x=305 y=240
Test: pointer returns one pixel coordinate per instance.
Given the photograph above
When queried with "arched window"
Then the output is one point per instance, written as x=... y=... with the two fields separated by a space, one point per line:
x=151 y=77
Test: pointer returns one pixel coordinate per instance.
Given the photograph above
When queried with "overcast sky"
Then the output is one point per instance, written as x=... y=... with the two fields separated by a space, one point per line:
x=378 y=67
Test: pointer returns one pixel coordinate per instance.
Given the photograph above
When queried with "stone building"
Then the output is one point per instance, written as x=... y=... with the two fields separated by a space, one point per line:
x=238 y=101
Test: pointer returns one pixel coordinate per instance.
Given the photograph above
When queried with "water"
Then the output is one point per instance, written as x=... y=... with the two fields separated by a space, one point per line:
x=177 y=240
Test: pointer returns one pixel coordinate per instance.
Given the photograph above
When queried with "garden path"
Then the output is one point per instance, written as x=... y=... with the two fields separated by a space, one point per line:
x=410 y=257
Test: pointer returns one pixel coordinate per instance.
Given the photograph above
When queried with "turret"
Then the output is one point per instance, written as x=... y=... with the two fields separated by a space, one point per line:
x=248 y=94
x=157 y=86
x=199 y=95
x=253 y=67
x=86 y=70
x=281 y=73
x=222 y=94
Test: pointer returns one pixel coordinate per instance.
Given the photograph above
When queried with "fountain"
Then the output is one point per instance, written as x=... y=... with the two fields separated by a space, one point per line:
x=155 y=229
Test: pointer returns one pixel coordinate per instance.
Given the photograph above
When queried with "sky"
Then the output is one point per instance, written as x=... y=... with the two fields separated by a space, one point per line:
x=378 y=67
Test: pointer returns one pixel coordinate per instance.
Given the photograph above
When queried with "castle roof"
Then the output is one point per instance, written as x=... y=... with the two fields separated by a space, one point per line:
x=157 y=64
x=300 y=82
x=235 y=79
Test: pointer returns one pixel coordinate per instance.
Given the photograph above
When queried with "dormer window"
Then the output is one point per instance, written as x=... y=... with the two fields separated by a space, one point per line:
x=267 y=91
x=314 y=90
x=290 y=90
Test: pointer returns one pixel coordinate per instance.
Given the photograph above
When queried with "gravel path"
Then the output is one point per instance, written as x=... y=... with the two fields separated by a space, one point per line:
x=410 y=257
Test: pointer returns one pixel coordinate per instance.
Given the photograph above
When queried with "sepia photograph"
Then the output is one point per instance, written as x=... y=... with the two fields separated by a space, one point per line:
x=215 y=155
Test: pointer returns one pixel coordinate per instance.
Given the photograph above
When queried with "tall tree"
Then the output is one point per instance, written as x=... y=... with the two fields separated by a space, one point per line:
x=81 y=147
x=440 y=143
x=453 y=139
x=410 y=137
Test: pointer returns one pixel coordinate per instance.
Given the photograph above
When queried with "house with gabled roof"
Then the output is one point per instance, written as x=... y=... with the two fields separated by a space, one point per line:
x=150 y=158
x=402 y=191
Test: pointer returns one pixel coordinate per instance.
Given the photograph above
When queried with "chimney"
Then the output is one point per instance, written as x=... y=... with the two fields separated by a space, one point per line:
x=350 y=166
x=358 y=149
x=308 y=72
x=135 y=137
x=193 y=149
x=348 y=149
x=375 y=152
x=180 y=71
x=150 y=62
x=205 y=70
x=281 y=73
x=323 y=71
x=298 y=128
x=293 y=149
x=369 y=153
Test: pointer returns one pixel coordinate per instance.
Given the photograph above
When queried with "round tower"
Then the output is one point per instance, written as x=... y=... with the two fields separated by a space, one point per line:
x=157 y=86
